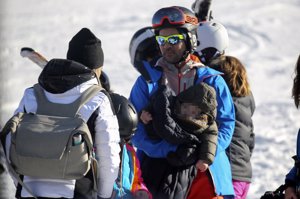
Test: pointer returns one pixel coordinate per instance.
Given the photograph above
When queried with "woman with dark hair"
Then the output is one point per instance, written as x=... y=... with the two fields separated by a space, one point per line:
x=292 y=178
x=296 y=86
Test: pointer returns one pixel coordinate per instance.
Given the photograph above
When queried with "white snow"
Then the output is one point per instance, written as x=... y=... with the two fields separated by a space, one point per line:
x=264 y=35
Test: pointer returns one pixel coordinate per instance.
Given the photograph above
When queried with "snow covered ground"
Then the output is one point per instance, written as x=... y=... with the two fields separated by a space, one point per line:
x=264 y=35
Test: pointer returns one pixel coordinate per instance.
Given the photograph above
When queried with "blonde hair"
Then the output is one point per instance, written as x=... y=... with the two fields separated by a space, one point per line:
x=235 y=75
x=296 y=86
x=98 y=71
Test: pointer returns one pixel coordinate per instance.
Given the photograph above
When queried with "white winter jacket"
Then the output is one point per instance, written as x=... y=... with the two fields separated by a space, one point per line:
x=106 y=142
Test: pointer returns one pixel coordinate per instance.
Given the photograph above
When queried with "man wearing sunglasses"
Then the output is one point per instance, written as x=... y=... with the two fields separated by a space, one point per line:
x=175 y=30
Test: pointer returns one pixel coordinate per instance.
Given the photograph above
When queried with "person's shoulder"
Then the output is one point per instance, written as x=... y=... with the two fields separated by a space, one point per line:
x=205 y=73
x=29 y=94
x=159 y=62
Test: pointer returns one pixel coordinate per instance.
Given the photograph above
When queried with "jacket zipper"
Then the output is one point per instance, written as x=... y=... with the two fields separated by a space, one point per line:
x=179 y=75
x=213 y=182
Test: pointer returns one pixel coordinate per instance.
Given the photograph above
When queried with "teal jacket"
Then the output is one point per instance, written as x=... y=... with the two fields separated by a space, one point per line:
x=129 y=181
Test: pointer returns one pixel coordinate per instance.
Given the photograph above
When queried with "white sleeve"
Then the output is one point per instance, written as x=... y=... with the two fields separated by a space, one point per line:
x=29 y=100
x=107 y=140
x=28 y=96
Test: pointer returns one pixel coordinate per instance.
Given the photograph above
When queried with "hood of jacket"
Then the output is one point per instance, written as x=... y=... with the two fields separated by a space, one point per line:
x=201 y=95
x=61 y=75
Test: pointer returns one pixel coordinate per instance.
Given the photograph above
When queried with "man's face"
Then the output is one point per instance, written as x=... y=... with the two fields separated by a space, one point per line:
x=172 y=52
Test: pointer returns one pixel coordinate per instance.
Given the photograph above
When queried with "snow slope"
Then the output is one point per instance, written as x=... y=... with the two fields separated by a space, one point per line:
x=264 y=35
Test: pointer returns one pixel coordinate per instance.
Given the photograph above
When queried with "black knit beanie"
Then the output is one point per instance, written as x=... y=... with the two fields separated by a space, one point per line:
x=85 y=48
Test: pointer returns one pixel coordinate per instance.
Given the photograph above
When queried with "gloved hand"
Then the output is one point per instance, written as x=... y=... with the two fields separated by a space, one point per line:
x=185 y=155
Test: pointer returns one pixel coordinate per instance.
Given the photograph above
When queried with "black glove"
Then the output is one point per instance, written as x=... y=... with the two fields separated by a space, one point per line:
x=185 y=155
x=277 y=194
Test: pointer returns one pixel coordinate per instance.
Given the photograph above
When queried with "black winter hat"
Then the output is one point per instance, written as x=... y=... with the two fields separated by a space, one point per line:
x=85 y=48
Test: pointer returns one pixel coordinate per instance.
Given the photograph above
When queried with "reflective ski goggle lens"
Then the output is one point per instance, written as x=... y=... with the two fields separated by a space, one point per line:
x=171 y=39
x=173 y=15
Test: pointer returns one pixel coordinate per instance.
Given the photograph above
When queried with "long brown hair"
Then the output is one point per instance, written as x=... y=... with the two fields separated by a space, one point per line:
x=235 y=75
x=296 y=86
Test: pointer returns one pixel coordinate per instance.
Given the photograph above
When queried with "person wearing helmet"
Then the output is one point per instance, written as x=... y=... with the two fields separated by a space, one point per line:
x=292 y=181
x=144 y=51
x=130 y=182
x=213 y=41
x=175 y=31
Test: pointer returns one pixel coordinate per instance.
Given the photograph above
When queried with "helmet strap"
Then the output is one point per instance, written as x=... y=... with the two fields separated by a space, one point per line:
x=183 y=60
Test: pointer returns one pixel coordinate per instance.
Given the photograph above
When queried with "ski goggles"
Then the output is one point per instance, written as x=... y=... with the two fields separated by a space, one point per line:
x=171 y=39
x=173 y=15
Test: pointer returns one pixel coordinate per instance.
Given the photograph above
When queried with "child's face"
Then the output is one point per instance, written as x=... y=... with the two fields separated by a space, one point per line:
x=192 y=111
x=189 y=110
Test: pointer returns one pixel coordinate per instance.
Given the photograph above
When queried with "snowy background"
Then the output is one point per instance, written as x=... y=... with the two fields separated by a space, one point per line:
x=264 y=35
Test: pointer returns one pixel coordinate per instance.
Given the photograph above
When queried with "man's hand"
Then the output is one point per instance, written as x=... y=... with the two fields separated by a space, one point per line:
x=201 y=165
x=145 y=117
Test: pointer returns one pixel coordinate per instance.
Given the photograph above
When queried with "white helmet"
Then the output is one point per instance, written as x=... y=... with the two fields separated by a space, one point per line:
x=212 y=34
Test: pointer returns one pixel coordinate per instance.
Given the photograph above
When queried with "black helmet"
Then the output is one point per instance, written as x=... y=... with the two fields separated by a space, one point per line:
x=126 y=115
x=177 y=17
x=143 y=45
x=104 y=80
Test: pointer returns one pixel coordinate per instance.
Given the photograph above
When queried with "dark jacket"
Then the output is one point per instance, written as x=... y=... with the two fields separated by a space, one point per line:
x=169 y=124
x=175 y=174
x=165 y=181
x=241 y=147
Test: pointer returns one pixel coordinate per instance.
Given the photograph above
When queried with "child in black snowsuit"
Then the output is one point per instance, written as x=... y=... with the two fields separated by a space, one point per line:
x=187 y=120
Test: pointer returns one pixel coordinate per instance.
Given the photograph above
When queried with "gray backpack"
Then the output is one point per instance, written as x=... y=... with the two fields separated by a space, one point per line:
x=55 y=142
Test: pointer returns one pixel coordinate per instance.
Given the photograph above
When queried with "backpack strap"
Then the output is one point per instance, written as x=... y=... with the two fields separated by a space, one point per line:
x=110 y=100
x=45 y=107
x=20 y=181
